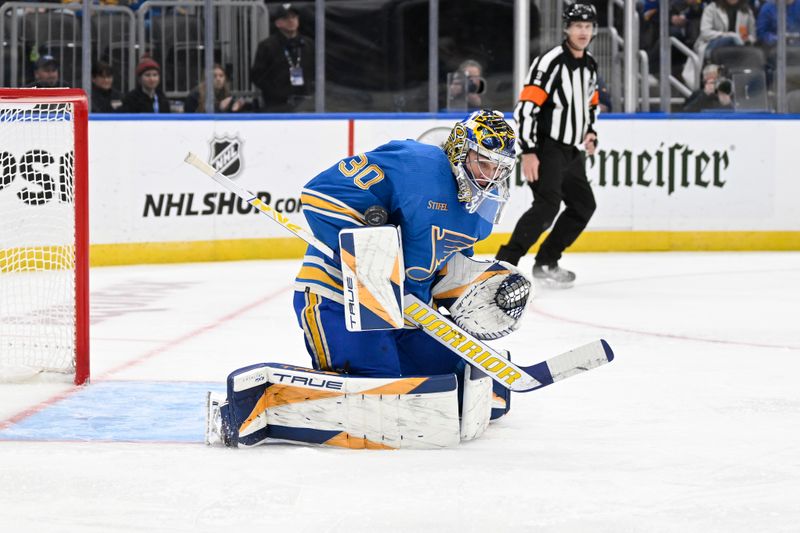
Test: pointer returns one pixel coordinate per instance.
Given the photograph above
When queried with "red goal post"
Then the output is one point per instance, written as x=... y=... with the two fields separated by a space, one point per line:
x=44 y=234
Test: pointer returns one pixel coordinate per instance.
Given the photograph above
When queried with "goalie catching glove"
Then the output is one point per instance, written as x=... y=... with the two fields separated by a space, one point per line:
x=486 y=298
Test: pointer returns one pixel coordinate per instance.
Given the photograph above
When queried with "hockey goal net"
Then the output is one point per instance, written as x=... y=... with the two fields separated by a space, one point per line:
x=44 y=307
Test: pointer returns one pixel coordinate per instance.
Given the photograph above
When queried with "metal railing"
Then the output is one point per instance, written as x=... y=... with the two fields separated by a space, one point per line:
x=630 y=44
x=690 y=56
x=644 y=81
x=32 y=29
x=175 y=38
x=114 y=42
x=172 y=32
x=607 y=50
x=665 y=100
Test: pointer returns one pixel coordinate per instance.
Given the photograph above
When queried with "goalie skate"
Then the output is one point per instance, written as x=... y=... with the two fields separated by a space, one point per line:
x=214 y=432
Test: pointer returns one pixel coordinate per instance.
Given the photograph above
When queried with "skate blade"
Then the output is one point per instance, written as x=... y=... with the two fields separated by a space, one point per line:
x=553 y=284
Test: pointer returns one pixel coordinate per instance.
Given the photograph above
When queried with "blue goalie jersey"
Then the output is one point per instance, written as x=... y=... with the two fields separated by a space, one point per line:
x=415 y=184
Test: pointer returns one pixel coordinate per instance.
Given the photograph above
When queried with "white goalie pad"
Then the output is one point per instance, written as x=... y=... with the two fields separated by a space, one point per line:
x=486 y=298
x=276 y=402
x=476 y=403
x=373 y=274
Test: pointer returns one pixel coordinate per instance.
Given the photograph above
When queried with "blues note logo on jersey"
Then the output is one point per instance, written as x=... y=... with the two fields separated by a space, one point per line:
x=444 y=243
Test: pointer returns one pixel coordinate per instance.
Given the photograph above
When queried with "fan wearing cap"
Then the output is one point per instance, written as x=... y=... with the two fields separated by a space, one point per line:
x=283 y=68
x=45 y=73
x=147 y=97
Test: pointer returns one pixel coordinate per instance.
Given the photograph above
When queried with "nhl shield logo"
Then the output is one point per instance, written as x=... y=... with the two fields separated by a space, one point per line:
x=226 y=155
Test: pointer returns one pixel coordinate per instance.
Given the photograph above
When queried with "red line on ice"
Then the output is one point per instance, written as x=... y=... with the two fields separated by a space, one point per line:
x=183 y=338
x=665 y=335
x=22 y=415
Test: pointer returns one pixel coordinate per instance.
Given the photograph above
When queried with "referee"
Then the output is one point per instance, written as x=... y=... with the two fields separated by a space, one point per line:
x=555 y=114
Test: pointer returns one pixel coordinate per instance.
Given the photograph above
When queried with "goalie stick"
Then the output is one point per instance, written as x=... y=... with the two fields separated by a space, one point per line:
x=497 y=366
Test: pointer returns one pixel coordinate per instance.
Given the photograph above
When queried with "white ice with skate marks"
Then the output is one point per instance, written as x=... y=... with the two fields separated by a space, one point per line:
x=694 y=427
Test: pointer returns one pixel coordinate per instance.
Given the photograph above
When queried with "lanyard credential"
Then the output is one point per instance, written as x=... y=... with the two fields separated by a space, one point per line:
x=295 y=70
x=293 y=64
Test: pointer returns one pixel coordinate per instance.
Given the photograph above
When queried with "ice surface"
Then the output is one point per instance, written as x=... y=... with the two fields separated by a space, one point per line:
x=694 y=427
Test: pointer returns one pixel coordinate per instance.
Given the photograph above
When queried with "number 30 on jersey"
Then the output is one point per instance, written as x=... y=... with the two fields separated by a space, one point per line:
x=364 y=175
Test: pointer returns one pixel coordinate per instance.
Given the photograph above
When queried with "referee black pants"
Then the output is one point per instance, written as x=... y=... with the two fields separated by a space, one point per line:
x=562 y=177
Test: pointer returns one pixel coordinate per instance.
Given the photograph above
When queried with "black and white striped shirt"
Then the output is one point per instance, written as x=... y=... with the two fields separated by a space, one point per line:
x=559 y=99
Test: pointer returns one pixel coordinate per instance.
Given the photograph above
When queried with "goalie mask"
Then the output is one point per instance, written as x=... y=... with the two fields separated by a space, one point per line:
x=481 y=153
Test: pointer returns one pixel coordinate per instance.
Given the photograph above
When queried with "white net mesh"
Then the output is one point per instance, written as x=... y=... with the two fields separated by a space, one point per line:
x=37 y=239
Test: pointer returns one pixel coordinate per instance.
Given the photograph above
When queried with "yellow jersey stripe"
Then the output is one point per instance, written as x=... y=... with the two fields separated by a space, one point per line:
x=325 y=205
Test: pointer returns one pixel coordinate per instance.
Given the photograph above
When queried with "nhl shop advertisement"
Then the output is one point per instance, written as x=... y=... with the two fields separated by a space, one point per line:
x=647 y=175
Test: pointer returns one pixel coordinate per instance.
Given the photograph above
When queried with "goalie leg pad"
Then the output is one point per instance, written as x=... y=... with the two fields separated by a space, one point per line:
x=276 y=402
x=501 y=396
x=476 y=403
x=501 y=400
x=482 y=401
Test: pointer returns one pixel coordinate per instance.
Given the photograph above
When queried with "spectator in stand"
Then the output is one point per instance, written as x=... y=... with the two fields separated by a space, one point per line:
x=147 y=97
x=105 y=98
x=767 y=25
x=127 y=3
x=686 y=16
x=684 y=24
x=705 y=98
x=133 y=4
x=45 y=73
x=284 y=65
x=224 y=101
x=725 y=23
x=467 y=86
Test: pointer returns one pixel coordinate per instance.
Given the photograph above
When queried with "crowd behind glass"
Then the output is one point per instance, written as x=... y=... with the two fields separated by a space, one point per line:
x=374 y=62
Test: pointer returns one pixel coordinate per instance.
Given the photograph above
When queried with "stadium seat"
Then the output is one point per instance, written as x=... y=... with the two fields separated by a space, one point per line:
x=52 y=25
x=792 y=68
x=793 y=56
x=184 y=66
x=175 y=41
x=739 y=58
x=793 y=99
x=114 y=26
x=750 y=90
x=168 y=29
x=114 y=41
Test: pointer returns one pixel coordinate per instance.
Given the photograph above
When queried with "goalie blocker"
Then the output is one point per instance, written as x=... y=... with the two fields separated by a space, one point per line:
x=372 y=277
x=273 y=402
